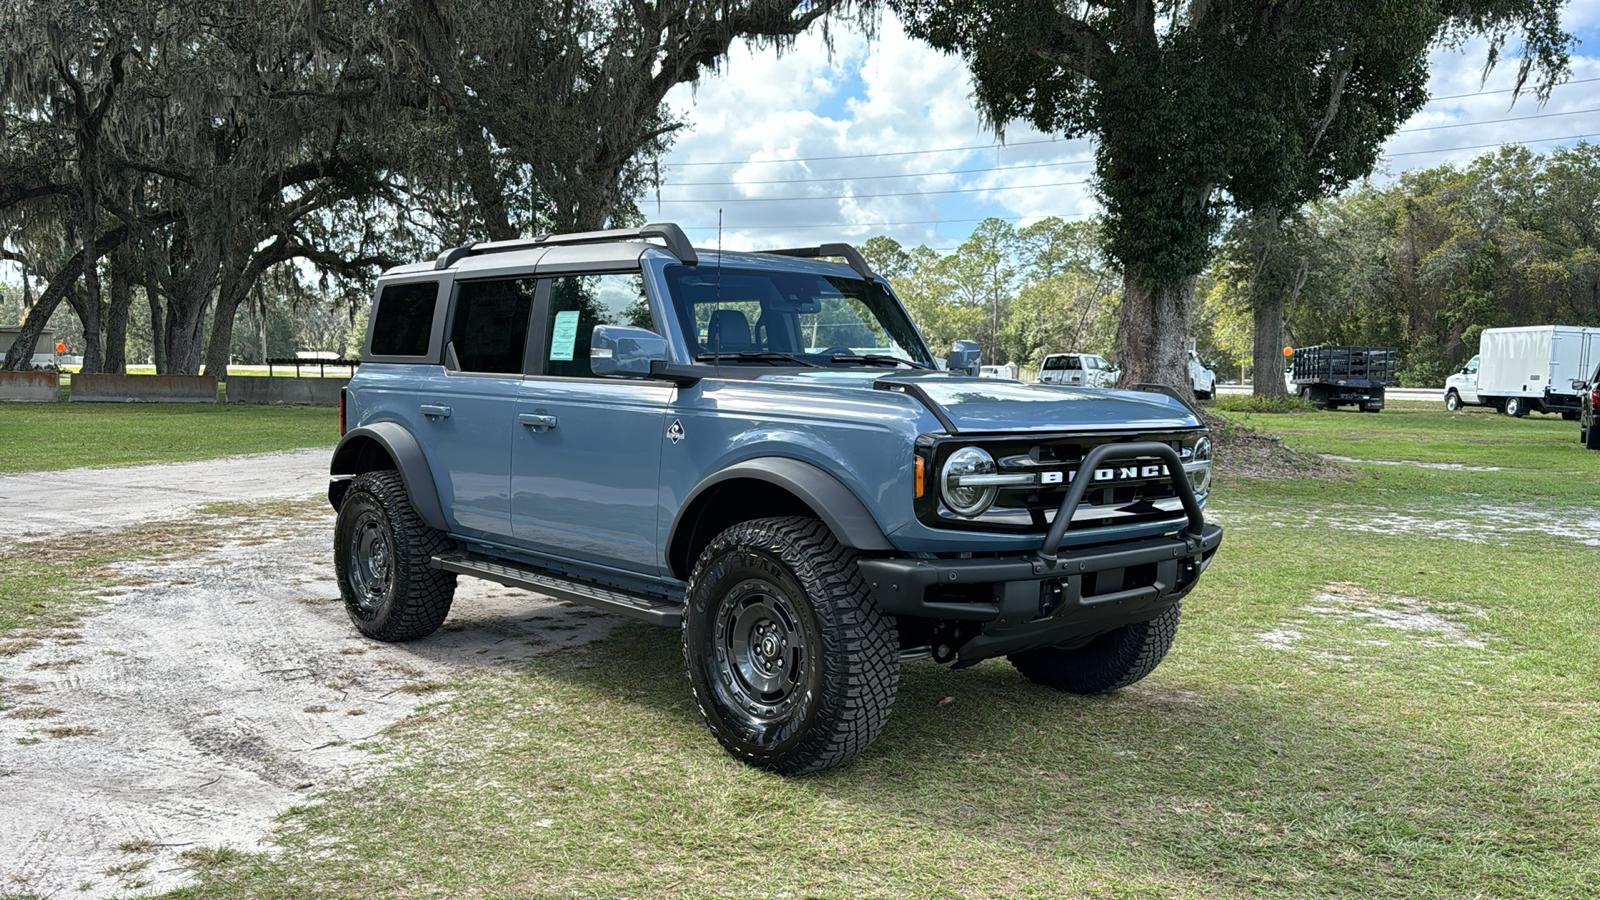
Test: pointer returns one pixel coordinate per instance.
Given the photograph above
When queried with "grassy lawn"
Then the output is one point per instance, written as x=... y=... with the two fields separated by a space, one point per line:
x=1385 y=687
x=41 y=436
x=1353 y=709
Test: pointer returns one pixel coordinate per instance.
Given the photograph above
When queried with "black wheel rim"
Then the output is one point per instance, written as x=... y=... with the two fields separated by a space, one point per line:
x=761 y=653
x=371 y=557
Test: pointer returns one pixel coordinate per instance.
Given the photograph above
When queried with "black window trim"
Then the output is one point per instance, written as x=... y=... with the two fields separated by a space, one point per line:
x=535 y=366
x=435 y=327
x=450 y=321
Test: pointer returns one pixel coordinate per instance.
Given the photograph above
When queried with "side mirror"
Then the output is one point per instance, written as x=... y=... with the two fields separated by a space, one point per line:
x=1579 y=384
x=623 y=351
x=965 y=357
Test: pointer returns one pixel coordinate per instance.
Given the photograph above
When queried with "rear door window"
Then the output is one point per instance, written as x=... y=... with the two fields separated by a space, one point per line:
x=490 y=327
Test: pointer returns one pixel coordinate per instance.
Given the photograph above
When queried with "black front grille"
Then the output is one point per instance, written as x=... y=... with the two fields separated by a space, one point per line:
x=1126 y=490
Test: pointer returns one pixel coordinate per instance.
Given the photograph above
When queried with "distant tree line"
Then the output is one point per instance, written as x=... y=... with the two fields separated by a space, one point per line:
x=1424 y=263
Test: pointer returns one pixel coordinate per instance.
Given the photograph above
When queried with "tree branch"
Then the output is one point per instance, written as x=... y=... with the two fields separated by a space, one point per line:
x=1077 y=47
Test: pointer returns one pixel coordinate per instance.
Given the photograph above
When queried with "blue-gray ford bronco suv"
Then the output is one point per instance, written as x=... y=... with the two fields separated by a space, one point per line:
x=758 y=448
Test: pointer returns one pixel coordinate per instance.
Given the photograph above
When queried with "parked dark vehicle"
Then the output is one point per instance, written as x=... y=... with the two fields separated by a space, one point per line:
x=1589 y=414
x=1329 y=377
x=758 y=449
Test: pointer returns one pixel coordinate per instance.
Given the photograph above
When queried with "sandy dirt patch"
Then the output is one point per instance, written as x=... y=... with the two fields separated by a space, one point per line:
x=213 y=695
x=41 y=504
x=1472 y=523
x=1430 y=625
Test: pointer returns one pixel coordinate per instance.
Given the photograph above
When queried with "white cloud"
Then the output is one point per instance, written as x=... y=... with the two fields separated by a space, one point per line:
x=882 y=103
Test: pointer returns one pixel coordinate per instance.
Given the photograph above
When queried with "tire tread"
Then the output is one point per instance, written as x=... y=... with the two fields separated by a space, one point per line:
x=1129 y=654
x=862 y=661
x=423 y=594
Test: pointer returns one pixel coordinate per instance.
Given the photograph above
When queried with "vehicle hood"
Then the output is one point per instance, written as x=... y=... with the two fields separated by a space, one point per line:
x=979 y=405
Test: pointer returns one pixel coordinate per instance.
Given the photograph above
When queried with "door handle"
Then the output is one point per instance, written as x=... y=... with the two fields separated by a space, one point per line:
x=536 y=422
x=434 y=409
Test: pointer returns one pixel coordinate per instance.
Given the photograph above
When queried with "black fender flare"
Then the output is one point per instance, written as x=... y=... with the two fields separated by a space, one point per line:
x=844 y=514
x=349 y=460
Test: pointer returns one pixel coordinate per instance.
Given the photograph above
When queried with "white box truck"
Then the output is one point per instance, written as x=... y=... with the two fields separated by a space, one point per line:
x=1523 y=370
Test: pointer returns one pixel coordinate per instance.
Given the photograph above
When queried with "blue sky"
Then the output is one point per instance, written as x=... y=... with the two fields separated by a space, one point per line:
x=879 y=137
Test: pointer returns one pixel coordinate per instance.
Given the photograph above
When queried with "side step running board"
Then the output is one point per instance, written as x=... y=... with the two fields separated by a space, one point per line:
x=654 y=609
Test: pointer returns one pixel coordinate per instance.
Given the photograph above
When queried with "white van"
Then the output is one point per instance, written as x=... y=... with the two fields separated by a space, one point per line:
x=1523 y=370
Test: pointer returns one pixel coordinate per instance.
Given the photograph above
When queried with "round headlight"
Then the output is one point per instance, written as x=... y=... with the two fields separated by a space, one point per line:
x=1200 y=473
x=969 y=500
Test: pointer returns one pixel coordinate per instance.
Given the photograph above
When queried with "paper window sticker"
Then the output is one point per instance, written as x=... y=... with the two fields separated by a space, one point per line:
x=564 y=336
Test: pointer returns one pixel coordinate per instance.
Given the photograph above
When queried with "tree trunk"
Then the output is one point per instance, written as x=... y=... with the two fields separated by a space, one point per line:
x=20 y=355
x=116 y=359
x=1153 y=334
x=221 y=343
x=158 y=329
x=1268 y=356
x=87 y=307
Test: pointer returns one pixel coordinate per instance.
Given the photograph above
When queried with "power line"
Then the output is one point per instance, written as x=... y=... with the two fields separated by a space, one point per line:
x=982 y=190
x=1026 y=166
x=1084 y=216
x=1575 y=112
x=1570 y=137
x=1506 y=91
x=758 y=162
x=1006 y=146
x=840 y=225
x=1078 y=162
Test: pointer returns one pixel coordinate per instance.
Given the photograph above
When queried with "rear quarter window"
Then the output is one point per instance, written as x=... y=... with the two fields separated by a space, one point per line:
x=403 y=321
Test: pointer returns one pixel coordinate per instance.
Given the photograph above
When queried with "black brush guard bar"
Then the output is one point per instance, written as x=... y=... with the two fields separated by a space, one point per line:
x=1106 y=453
x=1020 y=617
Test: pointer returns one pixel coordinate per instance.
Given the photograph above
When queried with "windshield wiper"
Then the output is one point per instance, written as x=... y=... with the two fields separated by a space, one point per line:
x=755 y=356
x=876 y=359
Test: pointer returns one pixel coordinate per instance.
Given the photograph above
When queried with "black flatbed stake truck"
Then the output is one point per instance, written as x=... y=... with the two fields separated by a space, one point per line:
x=1329 y=377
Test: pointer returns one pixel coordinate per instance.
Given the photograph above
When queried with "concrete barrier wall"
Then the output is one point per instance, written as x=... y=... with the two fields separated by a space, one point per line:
x=142 y=389
x=38 y=387
x=285 y=391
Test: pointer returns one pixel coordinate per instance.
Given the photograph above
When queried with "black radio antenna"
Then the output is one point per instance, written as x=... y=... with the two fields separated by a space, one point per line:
x=716 y=349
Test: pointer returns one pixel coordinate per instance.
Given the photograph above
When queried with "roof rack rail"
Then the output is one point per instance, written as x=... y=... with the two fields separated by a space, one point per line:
x=851 y=255
x=677 y=242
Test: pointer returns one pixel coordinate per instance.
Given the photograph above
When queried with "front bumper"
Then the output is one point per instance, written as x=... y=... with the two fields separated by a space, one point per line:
x=1013 y=603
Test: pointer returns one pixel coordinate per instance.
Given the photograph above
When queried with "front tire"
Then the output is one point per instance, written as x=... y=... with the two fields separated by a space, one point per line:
x=382 y=552
x=1452 y=402
x=793 y=667
x=1113 y=660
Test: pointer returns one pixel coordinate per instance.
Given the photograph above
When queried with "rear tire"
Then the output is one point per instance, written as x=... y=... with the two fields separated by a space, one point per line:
x=1591 y=438
x=382 y=552
x=1570 y=416
x=1516 y=407
x=792 y=665
x=1113 y=660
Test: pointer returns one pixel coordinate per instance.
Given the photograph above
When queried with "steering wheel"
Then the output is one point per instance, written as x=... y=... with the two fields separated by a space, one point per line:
x=838 y=351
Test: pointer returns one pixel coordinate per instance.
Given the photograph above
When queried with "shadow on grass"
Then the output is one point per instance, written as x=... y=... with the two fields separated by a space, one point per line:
x=1256 y=787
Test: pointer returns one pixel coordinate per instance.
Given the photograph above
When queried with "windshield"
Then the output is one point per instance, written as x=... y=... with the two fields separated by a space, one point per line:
x=803 y=315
